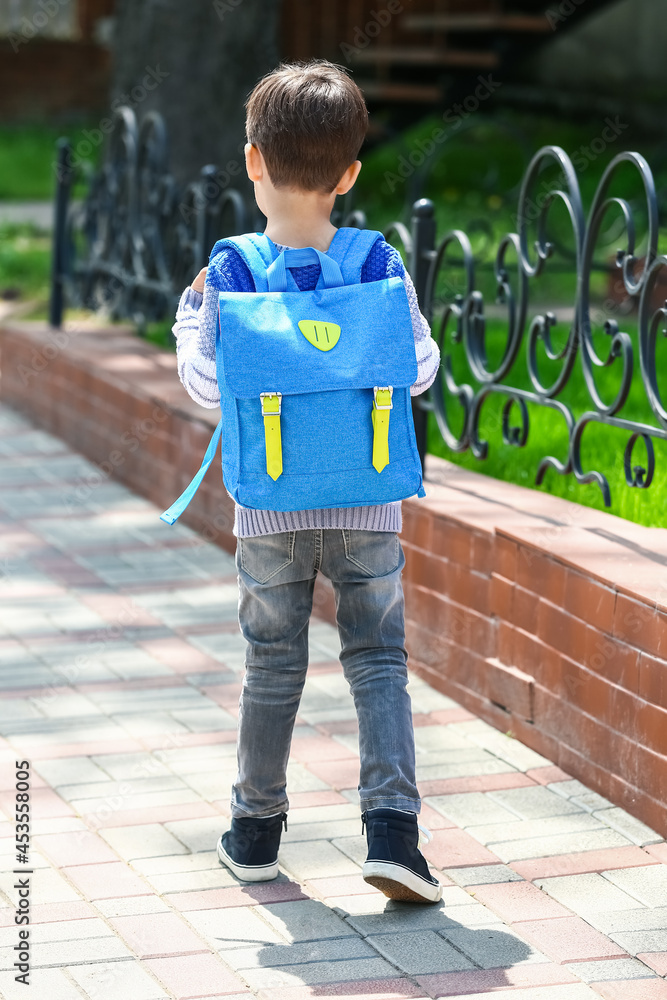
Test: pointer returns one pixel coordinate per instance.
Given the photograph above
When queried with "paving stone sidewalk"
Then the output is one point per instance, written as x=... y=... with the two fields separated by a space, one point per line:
x=120 y=669
x=34 y=213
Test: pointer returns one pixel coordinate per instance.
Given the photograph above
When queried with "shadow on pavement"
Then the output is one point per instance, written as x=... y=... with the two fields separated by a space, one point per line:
x=360 y=950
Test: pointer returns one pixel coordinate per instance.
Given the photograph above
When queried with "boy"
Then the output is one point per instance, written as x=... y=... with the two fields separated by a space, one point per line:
x=305 y=125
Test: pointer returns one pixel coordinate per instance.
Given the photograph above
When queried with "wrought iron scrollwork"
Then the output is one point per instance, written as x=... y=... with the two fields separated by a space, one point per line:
x=462 y=322
x=138 y=237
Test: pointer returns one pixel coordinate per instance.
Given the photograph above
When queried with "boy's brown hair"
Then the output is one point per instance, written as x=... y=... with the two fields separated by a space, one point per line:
x=309 y=121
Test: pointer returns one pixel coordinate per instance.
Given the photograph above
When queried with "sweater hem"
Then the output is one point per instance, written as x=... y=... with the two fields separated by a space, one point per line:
x=383 y=517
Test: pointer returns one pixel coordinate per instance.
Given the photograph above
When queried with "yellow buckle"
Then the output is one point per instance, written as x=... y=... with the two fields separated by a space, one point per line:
x=386 y=404
x=271 y=403
x=271 y=409
x=382 y=403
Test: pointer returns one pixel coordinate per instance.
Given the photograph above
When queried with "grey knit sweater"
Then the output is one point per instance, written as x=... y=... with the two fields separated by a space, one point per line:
x=195 y=332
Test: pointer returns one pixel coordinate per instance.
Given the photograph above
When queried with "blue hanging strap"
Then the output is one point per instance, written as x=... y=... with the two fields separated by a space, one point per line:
x=177 y=508
x=277 y=273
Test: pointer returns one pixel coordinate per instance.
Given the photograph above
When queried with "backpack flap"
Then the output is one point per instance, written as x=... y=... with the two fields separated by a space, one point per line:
x=305 y=380
x=349 y=337
x=318 y=448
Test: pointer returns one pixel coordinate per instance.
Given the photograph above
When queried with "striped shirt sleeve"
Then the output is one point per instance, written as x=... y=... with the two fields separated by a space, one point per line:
x=386 y=258
x=428 y=352
x=195 y=330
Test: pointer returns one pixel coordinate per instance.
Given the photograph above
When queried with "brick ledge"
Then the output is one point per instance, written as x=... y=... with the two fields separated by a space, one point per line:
x=543 y=617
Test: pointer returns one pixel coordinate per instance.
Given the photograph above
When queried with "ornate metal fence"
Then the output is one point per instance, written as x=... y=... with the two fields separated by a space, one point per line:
x=137 y=239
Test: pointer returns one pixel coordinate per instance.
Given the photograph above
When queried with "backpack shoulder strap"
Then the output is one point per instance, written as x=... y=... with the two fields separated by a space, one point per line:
x=350 y=248
x=257 y=252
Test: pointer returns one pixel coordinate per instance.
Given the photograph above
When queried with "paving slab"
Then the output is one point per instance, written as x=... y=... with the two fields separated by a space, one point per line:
x=636 y=831
x=636 y=942
x=319 y=974
x=569 y=992
x=595 y=839
x=51 y=983
x=420 y=952
x=117 y=980
x=642 y=918
x=647 y=885
x=307 y=920
x=628 y=989
x=143 y=841
x=482 y=875
x=121 y=664
x=264 y=956
x=473 y=809
x=610 y=970
x=534 y=802
x=588 y=894
x=493 y=947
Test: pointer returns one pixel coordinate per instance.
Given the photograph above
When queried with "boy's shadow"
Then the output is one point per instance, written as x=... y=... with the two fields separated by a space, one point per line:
x=386 y=940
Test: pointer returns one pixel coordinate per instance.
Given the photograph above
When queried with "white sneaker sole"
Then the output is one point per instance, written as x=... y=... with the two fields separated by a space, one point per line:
x=401 y=883
x=248 y=873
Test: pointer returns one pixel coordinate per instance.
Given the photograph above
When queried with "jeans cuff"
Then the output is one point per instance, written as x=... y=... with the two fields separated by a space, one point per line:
x=239 y=813
x=402 y=803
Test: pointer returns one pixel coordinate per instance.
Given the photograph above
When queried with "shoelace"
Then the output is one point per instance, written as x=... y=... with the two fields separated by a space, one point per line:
x=427 y=835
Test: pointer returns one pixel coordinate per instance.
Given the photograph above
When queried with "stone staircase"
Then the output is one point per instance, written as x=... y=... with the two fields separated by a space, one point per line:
x=422 y=51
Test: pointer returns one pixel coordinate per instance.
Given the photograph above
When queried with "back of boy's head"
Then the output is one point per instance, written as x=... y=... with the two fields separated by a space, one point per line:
x=309 y=121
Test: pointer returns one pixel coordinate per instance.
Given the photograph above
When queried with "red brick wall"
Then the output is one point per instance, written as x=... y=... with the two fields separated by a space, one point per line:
x=46 y=78
x=40 y=77
x=547 y=619
x=551 y=639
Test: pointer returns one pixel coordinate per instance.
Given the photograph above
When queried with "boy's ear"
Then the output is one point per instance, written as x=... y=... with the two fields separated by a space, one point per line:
x=253 y=162
x=348 y=178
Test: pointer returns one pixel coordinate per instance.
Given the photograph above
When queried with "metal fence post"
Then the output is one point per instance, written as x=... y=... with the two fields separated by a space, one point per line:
x=59 y=256
x=423 y=245
x=209 y=193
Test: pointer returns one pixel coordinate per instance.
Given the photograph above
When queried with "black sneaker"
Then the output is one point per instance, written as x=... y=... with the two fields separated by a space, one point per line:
x=250 y=848
x=394 y=864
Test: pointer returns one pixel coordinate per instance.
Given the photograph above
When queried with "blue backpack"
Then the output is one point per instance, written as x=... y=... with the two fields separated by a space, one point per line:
x=314 y=386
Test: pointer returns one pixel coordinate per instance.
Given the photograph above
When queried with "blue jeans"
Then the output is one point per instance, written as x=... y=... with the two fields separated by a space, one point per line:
x=276 y=579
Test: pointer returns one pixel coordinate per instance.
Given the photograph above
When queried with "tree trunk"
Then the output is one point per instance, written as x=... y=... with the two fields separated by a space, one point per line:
x=195 y=61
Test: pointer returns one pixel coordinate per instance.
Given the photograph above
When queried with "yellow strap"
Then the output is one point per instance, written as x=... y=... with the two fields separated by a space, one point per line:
x=271 y=405
x=381 y=409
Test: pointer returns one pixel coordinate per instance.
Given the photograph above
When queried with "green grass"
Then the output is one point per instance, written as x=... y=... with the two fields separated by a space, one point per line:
x=160 y=334
x=27 y=159
x=602 y=447
x=474 y=182
x=477 y=169
x=25 y=262
x=27 y=173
